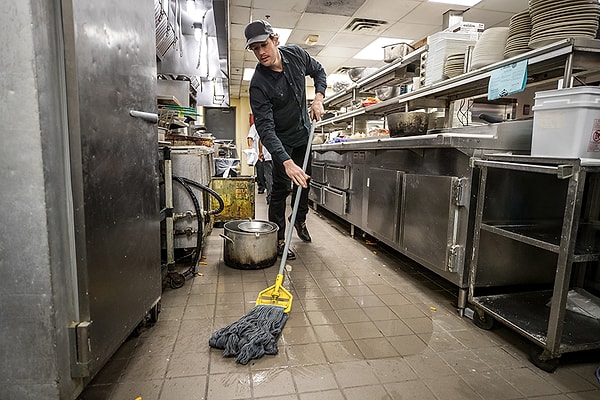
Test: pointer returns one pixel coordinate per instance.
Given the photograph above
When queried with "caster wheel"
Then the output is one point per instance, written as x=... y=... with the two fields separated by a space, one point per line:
x=176 y=280
x=484 y=322
x=545 y=365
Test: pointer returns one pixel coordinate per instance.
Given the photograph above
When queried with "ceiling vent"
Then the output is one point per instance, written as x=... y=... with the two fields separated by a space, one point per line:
x=358 y=25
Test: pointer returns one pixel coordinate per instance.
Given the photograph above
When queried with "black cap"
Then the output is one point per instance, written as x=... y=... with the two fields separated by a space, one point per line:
x=257 y=31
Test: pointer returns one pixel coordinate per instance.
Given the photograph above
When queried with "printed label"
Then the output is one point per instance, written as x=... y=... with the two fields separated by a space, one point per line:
x=594 y=143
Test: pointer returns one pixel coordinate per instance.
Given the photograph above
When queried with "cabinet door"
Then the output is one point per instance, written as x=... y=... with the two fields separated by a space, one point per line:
x=431 y=221
x=383 y=204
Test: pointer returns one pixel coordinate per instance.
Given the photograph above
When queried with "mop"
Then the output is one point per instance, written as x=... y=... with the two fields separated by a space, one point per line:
x=257 y=332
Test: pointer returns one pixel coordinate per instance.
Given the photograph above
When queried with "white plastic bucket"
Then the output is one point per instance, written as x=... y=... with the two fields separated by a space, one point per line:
x=566 y=123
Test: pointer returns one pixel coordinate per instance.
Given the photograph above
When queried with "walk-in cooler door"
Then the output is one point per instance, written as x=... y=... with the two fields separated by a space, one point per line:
x=110 y=70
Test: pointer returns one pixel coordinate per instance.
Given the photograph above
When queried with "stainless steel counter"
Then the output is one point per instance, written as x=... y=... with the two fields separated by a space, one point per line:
x=514 y=135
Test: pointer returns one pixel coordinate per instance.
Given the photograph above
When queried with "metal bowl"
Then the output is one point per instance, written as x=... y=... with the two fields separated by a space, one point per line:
x=387 y=92
x=357 y=73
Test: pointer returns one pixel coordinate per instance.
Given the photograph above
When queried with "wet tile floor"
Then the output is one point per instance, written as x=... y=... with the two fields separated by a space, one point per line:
x=366 y=323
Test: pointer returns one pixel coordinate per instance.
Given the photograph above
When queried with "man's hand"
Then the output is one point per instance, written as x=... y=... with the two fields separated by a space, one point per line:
x=316 y=108
x=296 y=174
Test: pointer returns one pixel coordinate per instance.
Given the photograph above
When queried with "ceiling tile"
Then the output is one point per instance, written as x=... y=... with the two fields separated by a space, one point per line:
x=287 y=5
x=322 y=22
x=340 y=7
x=386 y=10
x=239 y=15
x=486 y=17
x=429 y=13
x=279 y=19
x=403 y=30
x=513 y=6
x=351 y=40
x=299 y=36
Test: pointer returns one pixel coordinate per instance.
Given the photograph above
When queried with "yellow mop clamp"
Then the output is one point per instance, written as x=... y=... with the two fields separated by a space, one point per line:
x=276 y=295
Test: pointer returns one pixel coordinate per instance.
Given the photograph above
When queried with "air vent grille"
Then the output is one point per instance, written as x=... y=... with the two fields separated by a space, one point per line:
x=365 y=25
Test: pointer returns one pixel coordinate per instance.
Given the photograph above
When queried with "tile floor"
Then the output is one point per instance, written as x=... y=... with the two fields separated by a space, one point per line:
x=365 y=324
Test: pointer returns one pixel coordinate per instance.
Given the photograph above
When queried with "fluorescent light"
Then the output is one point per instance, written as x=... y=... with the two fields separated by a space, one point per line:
x=248 y=72
x=374 y=51
x=466 y=3
x=284 y=35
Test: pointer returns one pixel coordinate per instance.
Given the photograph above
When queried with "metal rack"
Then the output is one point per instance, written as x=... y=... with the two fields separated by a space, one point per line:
x=539 y=215
x=562 y=59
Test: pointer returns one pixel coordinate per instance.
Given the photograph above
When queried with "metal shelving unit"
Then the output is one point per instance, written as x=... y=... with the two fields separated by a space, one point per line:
x=545 y=213
x=562 y=59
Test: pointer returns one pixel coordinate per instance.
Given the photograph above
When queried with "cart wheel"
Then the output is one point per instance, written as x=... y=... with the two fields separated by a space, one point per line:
x=545 y=365
x=176 y=280
x=484 y=322
x=153 y=313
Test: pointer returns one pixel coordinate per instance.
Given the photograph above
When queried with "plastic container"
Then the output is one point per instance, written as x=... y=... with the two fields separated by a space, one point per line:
x=566 y=123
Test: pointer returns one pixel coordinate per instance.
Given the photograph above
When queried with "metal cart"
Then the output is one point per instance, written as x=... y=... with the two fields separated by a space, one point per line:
x=536 y=236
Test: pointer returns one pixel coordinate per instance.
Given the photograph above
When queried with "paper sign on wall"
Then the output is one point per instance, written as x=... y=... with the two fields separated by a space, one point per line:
x=507 y=80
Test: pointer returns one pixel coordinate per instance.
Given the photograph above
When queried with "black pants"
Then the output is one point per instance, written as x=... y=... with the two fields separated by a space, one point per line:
x=259 y=169
x=282 y=186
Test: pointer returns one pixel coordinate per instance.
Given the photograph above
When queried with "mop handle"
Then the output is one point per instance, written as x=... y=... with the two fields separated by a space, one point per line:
x=288 y=235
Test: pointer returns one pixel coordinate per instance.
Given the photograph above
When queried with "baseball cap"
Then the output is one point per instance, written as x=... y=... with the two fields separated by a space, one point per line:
x=257 y=31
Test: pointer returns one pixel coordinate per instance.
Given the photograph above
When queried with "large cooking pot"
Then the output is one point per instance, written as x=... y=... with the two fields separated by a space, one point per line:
x=249 y=244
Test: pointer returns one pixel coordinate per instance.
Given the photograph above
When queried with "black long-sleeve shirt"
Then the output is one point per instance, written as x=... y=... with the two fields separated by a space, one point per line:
x=278 y=100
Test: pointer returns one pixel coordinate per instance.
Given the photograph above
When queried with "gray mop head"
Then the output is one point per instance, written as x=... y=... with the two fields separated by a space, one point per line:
x=253 y=335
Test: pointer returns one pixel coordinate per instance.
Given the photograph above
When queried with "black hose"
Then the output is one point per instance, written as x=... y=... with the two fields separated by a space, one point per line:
x=186 y=183
x=192 y=269
x=210 y=191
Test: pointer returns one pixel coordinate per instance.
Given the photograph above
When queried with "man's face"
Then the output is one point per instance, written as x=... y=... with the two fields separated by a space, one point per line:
x=266 y=52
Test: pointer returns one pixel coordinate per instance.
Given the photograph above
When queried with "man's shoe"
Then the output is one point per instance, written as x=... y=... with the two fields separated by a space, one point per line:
x=281 y=247
x=302 y=231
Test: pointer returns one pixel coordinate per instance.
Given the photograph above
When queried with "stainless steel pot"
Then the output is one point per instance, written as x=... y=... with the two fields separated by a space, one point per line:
x=249 y=244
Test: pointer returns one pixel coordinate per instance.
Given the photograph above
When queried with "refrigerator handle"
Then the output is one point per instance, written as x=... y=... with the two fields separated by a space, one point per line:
x=146 y=116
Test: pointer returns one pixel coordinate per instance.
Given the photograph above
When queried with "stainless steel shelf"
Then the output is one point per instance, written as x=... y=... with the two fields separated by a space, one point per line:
x=563 y=58
x=528 y=313
x=547 y=236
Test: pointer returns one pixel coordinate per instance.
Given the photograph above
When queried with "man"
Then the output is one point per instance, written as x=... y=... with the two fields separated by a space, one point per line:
x=278 y=102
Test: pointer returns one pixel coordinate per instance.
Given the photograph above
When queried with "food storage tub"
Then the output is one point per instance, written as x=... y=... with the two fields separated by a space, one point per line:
x=566 y=123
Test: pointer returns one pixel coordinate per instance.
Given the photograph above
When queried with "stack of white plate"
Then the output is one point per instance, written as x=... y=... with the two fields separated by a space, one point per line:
x=490 y=47
x=519 y=33
x=454 y=65
x=554 y=20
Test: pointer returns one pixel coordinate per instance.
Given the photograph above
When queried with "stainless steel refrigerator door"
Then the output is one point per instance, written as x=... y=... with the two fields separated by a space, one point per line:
x=111 y=69
x=433 y=216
